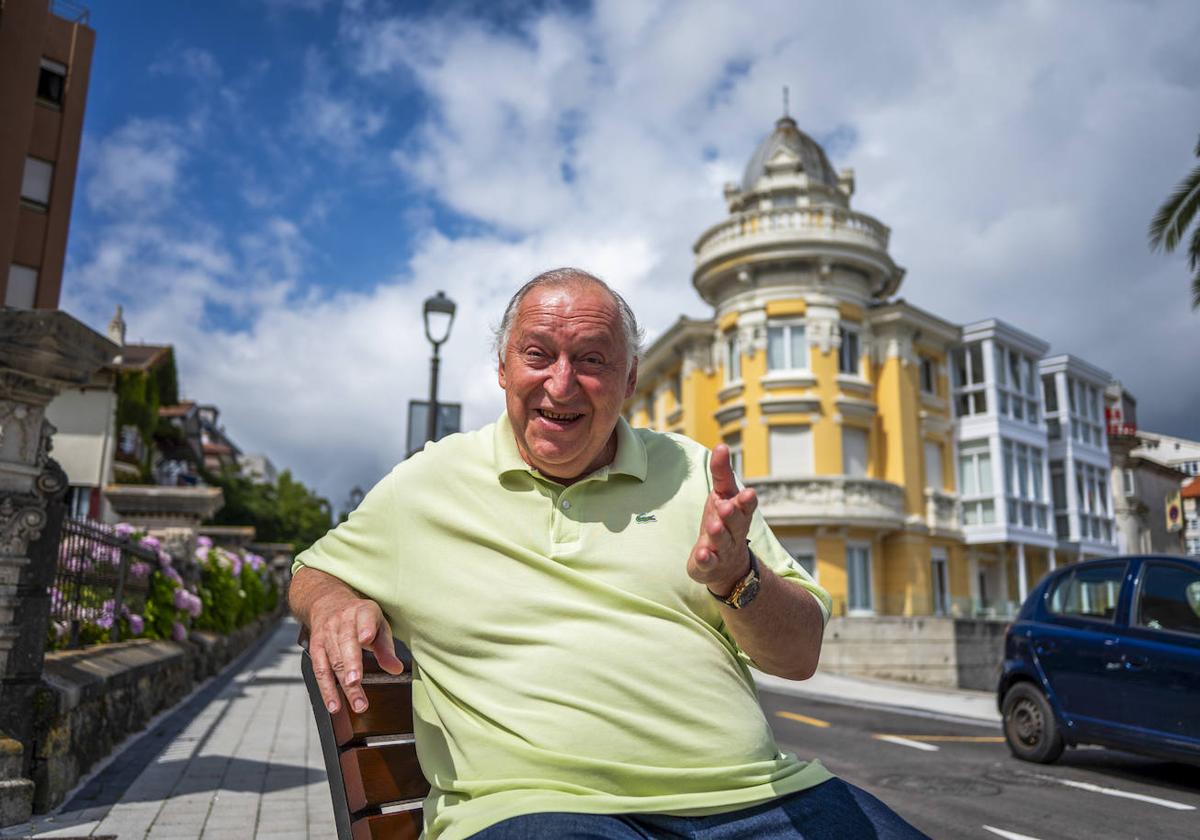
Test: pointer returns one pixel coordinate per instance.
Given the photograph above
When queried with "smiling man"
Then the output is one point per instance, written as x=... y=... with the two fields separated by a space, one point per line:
x=583 y=602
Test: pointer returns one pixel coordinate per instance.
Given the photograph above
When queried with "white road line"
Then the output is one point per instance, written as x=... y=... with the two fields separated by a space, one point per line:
x=1140 y=797
x=1008 y=835
x=904 y=742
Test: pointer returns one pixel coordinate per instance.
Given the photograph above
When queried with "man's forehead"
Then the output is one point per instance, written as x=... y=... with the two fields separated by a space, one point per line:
x=587 y=309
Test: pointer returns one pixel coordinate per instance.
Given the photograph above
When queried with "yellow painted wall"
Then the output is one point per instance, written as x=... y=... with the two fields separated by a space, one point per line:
x=827 y=432
x=906 y=585
x=899 y=422
x=831 y=569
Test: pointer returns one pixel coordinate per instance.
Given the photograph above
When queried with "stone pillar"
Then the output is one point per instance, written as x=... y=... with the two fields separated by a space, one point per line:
x=1053 y=560
x=42 y=352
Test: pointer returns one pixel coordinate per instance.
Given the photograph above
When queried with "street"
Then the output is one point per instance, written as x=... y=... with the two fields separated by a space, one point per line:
x=957 y=779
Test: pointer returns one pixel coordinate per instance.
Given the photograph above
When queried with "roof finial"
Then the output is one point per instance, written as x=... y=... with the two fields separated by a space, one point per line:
x=785 y=101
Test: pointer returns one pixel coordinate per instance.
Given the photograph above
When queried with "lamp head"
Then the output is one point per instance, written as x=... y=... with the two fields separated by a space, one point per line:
x=439 y=316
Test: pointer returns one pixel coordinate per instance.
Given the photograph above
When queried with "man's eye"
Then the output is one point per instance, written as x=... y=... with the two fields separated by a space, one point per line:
x=593 y=360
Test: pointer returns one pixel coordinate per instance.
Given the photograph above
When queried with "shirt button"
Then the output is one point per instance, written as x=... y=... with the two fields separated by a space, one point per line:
x=566 y=504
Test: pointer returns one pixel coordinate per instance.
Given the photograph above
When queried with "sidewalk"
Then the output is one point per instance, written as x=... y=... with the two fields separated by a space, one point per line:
x=977 y=707
x=240 y=759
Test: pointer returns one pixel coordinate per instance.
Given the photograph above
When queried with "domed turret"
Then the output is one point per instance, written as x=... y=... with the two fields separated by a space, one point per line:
x=788 y=149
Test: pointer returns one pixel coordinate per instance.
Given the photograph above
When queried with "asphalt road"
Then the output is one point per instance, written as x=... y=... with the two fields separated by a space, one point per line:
x=953 y=778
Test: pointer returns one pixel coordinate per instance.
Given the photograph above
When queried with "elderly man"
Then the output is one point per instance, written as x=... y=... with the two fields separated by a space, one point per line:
x=582 y=601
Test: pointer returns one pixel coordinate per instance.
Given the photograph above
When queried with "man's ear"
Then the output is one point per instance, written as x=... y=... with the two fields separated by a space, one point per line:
x=632 y=383
x=500 y=372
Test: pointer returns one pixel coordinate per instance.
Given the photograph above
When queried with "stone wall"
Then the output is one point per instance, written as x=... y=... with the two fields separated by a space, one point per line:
x=952 y=652
x=93 y=699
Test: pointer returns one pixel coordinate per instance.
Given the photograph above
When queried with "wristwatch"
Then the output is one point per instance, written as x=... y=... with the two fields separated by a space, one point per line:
x=746 y=589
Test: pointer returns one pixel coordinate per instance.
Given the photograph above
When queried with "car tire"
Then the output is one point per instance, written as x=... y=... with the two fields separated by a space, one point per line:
x=1029 y=725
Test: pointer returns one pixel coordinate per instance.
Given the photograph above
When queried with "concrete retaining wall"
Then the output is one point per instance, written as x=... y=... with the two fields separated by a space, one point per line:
x=954 y=652
x=92 y=699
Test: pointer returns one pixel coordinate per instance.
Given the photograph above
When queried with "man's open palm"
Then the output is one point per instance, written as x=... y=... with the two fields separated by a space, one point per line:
x=720 y=557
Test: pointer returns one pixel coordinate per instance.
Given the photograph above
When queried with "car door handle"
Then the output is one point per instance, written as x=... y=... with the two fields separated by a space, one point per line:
x=1135 y=663
x=1113 y=665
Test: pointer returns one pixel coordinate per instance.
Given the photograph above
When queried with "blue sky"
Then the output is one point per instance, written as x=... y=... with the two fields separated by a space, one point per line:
x=274 y=187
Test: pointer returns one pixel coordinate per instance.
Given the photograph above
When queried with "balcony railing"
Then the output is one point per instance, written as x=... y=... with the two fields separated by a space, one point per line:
x=942 y=510
x=823 y=224
x=830 y=500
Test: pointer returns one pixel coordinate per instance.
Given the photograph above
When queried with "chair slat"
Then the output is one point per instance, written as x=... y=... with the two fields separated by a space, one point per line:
x=377 y=775
x=389 y=710
x=405 y=825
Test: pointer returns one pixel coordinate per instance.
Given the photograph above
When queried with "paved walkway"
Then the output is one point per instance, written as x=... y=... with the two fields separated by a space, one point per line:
x=239 y=760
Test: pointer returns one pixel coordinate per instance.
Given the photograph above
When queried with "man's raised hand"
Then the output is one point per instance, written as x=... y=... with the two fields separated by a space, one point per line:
x=720 y=557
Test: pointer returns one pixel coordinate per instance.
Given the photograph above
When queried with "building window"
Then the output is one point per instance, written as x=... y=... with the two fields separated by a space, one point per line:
x=854 y=451
x=933 y=465
x=22 y=287
x=52 y=81
x=858 y=574
x=804 y=553
x=36 y=180
x=733 y=358
x=1018 y=385
x=1023 y=486
x=790 y=450
x=1085 y=413
x=848 y=350
x=940 y=580
x=928 y=376
x=970 y=381
x=734 y=442
x=1092 y=493
x=78 y=502
x=975 y=483
x=1128 y=483
x=786 y=347
x=1058 y=492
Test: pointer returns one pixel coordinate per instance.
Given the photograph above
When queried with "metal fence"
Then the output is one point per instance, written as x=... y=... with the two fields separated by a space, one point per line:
x=101 y=578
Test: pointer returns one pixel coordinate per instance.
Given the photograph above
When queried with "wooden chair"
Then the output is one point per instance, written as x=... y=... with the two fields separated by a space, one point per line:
x=370 y=758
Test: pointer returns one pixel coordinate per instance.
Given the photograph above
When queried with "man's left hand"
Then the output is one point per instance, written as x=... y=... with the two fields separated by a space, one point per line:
x=720 y=557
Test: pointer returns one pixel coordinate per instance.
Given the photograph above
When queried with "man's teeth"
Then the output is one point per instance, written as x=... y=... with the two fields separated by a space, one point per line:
x=552 y=416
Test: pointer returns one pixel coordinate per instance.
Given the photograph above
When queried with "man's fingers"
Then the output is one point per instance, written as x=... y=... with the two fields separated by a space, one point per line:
x=325 y=678
x=384 y=649
x=724 y=484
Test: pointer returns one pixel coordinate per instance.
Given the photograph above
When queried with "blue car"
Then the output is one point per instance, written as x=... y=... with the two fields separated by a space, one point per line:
x=1106 y=652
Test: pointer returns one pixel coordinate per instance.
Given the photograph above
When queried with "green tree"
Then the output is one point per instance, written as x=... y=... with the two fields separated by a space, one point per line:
x=285 y=511
x=1173 y=219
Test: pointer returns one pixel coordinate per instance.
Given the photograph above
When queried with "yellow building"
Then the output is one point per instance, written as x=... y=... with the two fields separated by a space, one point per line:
x=832 y=393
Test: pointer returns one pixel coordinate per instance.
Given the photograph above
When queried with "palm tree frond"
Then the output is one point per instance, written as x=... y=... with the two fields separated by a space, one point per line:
x=1176 y=213
x=1196 y=291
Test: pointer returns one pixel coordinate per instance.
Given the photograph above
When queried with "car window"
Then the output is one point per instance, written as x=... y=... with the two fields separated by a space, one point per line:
x=1090 y=592
x=1169 y=598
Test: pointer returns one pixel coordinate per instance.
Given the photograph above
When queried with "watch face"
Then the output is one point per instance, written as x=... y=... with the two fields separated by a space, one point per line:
x=748 y=593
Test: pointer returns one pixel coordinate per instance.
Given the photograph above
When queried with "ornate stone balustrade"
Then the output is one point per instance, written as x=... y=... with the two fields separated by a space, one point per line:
x=762 y=227
x=942 y=511
x=830 y=500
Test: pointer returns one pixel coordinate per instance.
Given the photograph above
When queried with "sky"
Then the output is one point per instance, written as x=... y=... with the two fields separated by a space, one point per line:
x=275 y=186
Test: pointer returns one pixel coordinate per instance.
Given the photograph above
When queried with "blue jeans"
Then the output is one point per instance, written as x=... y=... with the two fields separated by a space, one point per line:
x=832 y=810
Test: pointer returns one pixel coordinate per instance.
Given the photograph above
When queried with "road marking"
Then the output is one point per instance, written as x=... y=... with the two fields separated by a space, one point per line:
x=823 y=724
x=958 y=739
x=1140 y=797
x=905 y=742
x=1008 y=835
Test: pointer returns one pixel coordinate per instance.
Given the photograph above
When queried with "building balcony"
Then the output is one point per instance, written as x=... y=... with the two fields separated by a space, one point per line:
x=830 y=500
x=789 y=225
x=942 y=511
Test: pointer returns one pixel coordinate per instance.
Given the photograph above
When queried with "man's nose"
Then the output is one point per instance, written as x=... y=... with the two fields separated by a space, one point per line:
x=561 y=384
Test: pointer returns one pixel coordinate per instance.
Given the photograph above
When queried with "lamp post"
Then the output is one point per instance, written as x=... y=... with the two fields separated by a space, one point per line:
x=439 y=316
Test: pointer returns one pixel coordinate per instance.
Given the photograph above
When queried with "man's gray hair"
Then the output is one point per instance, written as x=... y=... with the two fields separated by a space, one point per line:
x=567 y=276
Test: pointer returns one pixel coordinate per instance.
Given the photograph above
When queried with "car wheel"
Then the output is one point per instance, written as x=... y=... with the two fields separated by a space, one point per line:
x=1029 y=725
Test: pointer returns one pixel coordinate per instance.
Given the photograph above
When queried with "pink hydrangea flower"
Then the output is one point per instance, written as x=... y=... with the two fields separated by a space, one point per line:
x=123 y=529
x=153 y=543
x=178 y=632
x=136 y=624
x=204 y=542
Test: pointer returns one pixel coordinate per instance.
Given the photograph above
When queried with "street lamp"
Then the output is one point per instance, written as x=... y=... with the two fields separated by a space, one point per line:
x=439 y=316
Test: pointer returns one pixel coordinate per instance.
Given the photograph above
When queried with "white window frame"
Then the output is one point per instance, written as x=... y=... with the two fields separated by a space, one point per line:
x=980 y=502
x=970 y=384
x=37 y=181
x=851 y=336
x=799 y=547
x=939 y=557
x=866 y=451
x=733 y=357
x=867 y=587
x=805 y=429
x=734 y=442
x=21 y=291
x=788 y=328
x=929 y=376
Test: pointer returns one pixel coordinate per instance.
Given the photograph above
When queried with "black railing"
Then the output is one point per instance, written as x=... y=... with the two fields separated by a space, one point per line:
x=101 y=583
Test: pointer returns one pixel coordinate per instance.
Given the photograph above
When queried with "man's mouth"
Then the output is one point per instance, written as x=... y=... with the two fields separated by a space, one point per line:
x=561 y=418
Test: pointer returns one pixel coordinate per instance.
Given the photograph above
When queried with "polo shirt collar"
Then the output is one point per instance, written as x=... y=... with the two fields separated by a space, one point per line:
x=630 y=460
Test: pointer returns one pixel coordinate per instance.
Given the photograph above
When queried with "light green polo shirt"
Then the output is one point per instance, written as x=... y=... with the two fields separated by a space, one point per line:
x=564 y=659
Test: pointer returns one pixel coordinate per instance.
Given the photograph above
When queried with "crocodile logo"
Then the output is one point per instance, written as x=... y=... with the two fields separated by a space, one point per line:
x=643 y=518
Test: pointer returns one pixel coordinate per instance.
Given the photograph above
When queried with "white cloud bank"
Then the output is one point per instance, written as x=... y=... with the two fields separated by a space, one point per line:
x=1017 y=150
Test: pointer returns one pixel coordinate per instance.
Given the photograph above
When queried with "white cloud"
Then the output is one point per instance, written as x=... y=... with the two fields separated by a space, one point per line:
x=136 y=169
x=1016 y=150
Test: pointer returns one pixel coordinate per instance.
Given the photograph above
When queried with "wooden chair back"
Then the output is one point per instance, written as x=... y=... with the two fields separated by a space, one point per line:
x=371 y=759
